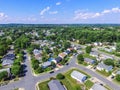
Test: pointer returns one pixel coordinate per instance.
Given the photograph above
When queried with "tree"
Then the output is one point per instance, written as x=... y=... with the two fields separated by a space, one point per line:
x=60 y=76
x=109 y=62
x=39 y=70
x=35 y=64
x=118 y=47
x=15 y=70
x=3 y=75
x=53 y=64
x=118 y=77
x=88 y=49
x=80 y=58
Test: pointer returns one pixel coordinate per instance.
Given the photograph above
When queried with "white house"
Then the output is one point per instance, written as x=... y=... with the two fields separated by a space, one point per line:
x=78 y=76
x=102 y=66
x=97 y=86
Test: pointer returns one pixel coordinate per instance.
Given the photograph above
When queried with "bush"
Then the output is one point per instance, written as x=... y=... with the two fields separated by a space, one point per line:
x=60 y=76
x=109 y=62
x=118 y=77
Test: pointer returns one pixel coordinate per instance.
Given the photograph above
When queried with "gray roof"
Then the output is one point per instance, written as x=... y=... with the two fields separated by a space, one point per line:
x=6 y=69
x=77 y=75
x=7 y=62
x=55 y=85
x=106 y=67
x=94 y=53
x=46 y=64
x=97 y=86
x=88 y=60
x=118 y=72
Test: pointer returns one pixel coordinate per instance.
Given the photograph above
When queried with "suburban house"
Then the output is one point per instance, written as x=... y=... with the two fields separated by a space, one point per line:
x=102 y=66
x=8 y=60
x=97 y=86
x=94 y=54
x=89 y=61
x=62 y=55
x=104 y=57
x=37 y=54
x=58 y=59
x=55 y=85
x=6 y=69
x=46 y=64
x=78 y=76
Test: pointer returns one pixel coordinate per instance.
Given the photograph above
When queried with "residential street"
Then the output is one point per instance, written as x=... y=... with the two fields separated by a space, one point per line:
x=28 y=82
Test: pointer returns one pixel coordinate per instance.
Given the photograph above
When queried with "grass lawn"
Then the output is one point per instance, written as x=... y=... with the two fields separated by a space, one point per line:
x=43 y=85
x=116 y=81
x=104 y=73
x=89 y=84
x=86 y=55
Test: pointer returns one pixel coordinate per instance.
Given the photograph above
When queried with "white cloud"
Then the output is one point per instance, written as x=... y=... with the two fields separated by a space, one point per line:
x=44 y=10
x=3 y=16
x=58 y=3
x=53 y=12
x=79 y=15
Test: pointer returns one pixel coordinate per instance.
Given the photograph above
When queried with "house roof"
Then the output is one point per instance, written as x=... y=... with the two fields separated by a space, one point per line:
x=97 y=86
x=106 y=67
x=7 y=62
x=58 y=59
x=8 y=57
x=55 y=85
x=6 y=69
x=94 y=53
x=46 y=64
x=88 y=60
x=62 y=55
x=77 y=75
x=118 y=72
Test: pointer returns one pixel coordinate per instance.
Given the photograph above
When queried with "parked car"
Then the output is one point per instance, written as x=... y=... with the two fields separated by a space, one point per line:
x=51 y=72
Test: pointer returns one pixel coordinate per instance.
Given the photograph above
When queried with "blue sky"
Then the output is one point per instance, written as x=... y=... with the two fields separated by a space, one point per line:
x=59 y=11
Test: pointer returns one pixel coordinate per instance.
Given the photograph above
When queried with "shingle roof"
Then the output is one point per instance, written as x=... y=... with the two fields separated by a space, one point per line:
x=106 y=67
x=97 y=86
x=55 y=85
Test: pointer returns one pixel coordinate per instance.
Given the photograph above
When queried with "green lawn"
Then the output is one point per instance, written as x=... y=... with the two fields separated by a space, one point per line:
x=43 y=85
x=86 y=55
x=89 y=84
x=104 y=73
x=69 y=82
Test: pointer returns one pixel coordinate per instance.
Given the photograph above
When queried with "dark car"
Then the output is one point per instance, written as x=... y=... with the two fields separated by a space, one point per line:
x=51 y=72
x=67 y=63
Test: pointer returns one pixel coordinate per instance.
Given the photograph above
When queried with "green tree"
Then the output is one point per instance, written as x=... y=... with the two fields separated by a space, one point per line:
x=109 y=62
x=15 y=70
x=3 y=75
x=118 y=77
x=118 y=47
x=88 y=49
x=60 y=76
x=80 y=58
x=39 y=70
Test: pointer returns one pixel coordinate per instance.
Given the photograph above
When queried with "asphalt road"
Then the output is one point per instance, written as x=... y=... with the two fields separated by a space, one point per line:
x=28 y=82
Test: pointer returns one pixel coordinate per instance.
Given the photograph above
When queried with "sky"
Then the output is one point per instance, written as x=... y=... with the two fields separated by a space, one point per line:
x=60 y=11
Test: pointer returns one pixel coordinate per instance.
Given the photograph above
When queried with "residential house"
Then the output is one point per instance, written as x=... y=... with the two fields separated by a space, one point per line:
x=37 y=54
x=8 y=60
x=104 y=57
x=62 y=55
x=101 y=66
x=97 y=86
x=116 y=73
x=58 y=59
x=94 y=54
x=89 y=61
x=46 y=64
x=55 y=85
x=78 y=76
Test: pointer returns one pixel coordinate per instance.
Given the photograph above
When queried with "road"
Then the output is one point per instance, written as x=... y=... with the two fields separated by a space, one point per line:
x=28 y=82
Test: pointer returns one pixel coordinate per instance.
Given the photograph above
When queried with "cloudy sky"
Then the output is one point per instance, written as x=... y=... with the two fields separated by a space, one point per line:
x=59 y=11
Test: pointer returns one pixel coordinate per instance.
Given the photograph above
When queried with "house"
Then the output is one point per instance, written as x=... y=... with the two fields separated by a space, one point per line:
x=104 y=57
x=67 y=52
x=94 y=54
x=58 y=59
x=97 y=86
x=102 y=66
x=46 y=64
x=6 y=69
x=78 y=76
x=36 y=52
x=8 y=60
x=89 y=61
x=62 y=55
x=55 y=85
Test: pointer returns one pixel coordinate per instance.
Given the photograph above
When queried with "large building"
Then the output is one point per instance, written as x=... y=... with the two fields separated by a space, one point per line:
x=78 y=76
x=55 y=85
